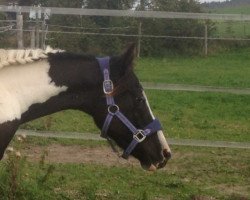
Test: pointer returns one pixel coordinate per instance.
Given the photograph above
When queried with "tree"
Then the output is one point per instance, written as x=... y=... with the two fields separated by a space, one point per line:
x=173 y=27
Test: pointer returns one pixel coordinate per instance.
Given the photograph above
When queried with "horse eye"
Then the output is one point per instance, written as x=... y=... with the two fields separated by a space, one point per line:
x=140 y=99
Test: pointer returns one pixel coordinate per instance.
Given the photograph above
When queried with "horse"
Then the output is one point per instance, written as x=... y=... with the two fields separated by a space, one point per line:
x=36 y=83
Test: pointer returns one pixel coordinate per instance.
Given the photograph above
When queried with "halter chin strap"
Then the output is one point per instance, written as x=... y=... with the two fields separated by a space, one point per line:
x=139 y=135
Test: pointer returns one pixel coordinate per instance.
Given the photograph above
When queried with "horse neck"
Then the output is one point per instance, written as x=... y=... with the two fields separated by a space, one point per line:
x=82 y=80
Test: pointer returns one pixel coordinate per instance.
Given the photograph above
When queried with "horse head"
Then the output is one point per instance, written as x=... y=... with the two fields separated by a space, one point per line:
x=124 y=114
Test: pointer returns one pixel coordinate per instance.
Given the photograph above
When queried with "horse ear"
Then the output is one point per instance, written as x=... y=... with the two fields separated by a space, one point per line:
x=128 y=57
x=124 y=63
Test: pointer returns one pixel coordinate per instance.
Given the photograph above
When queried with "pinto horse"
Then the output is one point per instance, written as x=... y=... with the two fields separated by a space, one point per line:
x=35 y=83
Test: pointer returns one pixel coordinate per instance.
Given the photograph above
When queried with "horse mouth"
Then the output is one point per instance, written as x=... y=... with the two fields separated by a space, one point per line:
x=151 y=168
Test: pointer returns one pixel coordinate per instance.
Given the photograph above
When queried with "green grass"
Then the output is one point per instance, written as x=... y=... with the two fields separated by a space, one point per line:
x=232 y=29
x=193 y=173
x=245 y=9
x=211 y=116
x=203 y=115
x=230 y=69
x=65 y=121
x=43 y=141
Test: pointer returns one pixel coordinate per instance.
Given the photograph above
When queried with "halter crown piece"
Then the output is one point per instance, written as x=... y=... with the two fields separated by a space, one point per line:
x=139 y=135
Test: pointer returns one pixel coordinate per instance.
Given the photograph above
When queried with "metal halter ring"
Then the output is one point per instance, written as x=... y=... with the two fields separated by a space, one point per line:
x=112 y=109
x=139 y=136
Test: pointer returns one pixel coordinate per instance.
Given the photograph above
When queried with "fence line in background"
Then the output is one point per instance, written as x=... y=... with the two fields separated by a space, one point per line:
x=137 y=35
x=195 y=88
x=127 y=13
x=172 y=141
x=117 y=13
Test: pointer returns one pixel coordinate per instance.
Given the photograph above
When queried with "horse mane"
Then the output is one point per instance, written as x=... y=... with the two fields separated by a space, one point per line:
x=22 y=56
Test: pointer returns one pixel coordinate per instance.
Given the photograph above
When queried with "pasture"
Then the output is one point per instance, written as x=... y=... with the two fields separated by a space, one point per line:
x=193 y=173
x=243 y=9
x=227 y=69
x=231 y=28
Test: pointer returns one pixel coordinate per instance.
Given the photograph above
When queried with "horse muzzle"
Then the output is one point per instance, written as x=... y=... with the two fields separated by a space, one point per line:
x=167 y=155
x=153 y=167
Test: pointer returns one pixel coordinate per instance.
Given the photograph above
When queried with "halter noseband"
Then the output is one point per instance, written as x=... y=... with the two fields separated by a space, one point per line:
x=139 y=135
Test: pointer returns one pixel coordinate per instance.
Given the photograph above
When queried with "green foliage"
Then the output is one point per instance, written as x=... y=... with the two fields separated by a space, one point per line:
x=175 y=28
x=11 y=175
x=17 y=181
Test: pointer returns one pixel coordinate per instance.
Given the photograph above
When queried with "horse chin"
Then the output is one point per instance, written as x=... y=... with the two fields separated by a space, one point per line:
x=154 y=167
x=151 y=168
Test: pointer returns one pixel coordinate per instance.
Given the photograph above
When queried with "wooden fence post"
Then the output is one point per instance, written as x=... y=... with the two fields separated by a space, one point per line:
x=19 y=18
x=205 y=41
x=33 y=37
x=37 y=33
x=43 y=34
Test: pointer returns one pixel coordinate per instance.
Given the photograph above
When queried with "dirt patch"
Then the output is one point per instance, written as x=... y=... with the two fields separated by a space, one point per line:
x=57 y=153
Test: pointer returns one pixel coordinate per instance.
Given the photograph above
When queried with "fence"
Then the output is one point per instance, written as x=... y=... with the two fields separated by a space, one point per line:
x=43 y=28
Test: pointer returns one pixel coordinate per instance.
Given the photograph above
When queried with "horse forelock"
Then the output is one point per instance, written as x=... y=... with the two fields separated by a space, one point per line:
x=23 y=56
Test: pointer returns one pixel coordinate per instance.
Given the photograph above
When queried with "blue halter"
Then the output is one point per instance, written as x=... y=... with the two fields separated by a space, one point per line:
x=113 y=110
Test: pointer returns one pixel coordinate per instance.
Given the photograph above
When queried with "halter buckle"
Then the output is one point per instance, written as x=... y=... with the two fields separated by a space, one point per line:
x=108 y=86
x=139 y=136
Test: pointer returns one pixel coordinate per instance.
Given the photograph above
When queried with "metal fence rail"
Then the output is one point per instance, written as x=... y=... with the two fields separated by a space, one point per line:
x=172 y=141
x=127 y=13
x=195 y=88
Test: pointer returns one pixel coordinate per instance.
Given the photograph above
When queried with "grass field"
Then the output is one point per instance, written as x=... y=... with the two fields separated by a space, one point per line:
x=232 y=28
x=244 y=9
x=193 y=173
x=229 y=69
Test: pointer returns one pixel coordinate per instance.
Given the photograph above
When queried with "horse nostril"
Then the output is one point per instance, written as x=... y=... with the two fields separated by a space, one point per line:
x=166 y=154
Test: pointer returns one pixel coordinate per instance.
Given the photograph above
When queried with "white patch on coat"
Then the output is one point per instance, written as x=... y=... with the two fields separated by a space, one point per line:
x=24 y=85
x=160 y=134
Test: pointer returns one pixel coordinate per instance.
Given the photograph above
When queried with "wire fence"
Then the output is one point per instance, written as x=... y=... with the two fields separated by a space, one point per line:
x=105 y=34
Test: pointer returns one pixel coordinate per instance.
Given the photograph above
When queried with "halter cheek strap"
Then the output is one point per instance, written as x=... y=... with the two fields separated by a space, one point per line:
x=139 y=135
